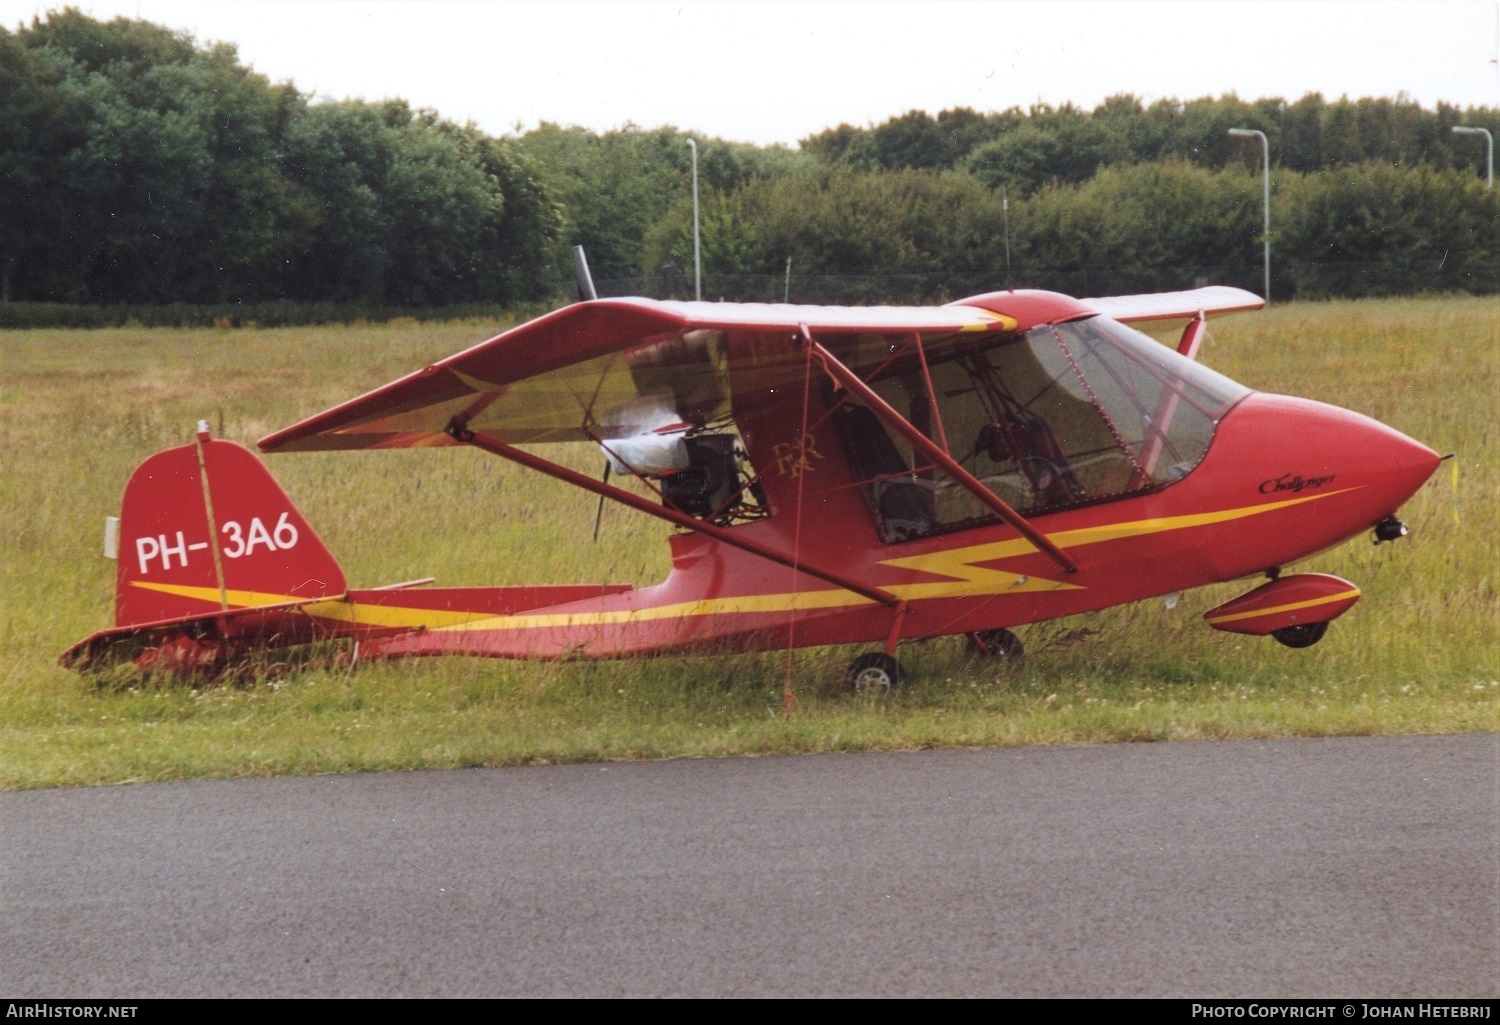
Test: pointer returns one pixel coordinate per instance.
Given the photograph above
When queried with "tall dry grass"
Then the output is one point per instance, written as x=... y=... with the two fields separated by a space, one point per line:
x=79 y=409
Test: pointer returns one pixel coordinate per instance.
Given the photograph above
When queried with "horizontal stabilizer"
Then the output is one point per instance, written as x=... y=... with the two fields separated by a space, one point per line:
x=200 y=642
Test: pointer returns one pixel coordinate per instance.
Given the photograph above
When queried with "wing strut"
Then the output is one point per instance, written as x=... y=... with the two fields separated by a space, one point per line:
x=937 y=413
x=850 y=380
x=531 y=462
x=1166 y=407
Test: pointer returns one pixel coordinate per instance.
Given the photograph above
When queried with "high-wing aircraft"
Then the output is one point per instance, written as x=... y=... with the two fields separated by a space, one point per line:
x=832 y=475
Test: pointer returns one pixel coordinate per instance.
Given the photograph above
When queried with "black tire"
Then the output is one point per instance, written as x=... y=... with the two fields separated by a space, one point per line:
x=874 y=672
x=997 y=644
x=1303 y=635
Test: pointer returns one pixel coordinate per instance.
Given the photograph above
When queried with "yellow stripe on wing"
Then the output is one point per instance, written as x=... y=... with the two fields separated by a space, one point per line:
x=1005 y=323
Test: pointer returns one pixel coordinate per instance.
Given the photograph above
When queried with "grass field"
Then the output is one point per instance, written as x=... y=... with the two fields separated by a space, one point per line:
x=78 y=410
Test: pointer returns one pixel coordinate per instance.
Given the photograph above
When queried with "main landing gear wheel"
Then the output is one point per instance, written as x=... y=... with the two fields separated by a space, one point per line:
x=997 y=644
x=874 y=672
x=1303 y=635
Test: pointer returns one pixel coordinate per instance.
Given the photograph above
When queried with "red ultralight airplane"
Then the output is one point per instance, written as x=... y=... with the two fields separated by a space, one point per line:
x=835 y=475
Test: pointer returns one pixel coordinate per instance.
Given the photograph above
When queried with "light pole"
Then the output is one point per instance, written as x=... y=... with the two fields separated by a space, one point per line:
x=697 y=259
x=1489 y=151
x=1265 y=178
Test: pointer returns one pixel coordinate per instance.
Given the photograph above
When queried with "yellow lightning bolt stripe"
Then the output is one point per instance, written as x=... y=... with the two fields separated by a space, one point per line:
x=965 y=580
x=968 y=579
x=1235 y=617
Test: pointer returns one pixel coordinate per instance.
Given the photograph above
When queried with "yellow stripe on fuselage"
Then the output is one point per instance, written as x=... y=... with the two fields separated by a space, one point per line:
x=802 y=601
x=969 y=578
x=338 y=608
x=238 y=599
x=966 y=578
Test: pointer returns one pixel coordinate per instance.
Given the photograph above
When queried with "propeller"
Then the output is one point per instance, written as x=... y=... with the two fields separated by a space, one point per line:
x=585 y=279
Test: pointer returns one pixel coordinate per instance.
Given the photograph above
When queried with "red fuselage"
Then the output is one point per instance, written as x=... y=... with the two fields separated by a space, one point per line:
x=1283 y=479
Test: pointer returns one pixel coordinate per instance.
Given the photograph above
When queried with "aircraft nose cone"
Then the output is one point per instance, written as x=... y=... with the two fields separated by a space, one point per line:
x=1327 y=447
x=1411 y=462
x=1321 y=474
x=1394 y=465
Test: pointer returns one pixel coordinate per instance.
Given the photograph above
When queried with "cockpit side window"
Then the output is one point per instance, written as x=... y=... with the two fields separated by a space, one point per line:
x=1162 y=406
x=900 y=499
x=1061 y=416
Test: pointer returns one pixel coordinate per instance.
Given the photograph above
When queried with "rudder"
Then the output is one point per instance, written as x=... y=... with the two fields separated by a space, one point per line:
x=188 y=547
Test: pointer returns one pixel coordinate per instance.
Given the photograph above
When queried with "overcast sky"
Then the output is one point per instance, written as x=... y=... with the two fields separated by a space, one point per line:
x=769 y=72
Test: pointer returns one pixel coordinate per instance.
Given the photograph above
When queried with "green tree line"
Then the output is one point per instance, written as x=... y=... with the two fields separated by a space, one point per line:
x=1027 y=150
x=137 y=166
x=1361 y=230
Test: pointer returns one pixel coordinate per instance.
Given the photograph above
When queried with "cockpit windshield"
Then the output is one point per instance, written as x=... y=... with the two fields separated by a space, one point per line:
x=1063 y=415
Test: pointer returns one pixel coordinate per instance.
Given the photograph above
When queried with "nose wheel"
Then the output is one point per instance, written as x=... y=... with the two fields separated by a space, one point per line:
x=1303 y=635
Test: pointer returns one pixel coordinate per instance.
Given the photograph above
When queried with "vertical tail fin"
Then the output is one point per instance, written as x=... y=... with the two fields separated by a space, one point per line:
x=205 y=527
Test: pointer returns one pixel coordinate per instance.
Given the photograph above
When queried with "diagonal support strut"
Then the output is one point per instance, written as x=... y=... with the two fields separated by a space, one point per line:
x=728 y=537
x=850 y=380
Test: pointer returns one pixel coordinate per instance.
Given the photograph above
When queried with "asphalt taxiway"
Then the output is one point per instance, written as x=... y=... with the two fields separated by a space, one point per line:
x=1353 y=867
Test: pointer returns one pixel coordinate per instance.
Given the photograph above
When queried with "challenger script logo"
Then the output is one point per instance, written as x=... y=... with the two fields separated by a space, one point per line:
x=1292 y=482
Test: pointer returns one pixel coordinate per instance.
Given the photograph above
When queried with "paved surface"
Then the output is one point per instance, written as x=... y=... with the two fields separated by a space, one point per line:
x=1361 y=867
